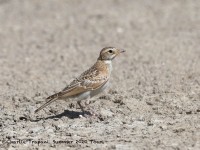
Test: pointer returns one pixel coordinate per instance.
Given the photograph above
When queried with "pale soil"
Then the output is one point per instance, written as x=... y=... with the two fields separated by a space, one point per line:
x=154 y=98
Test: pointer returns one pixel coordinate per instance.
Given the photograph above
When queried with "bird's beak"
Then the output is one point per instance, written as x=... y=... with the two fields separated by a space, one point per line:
x=120 y=51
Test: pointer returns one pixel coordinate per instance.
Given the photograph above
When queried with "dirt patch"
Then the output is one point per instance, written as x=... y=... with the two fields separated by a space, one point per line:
x=154 y=98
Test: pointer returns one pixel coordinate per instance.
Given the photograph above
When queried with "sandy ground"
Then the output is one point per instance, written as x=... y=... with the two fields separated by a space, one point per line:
x=154 y=98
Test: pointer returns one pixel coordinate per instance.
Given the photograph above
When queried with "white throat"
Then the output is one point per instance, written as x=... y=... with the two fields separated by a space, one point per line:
x=109 y=63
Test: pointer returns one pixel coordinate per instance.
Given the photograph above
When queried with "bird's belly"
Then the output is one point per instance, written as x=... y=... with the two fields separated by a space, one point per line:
x=82 y=96
x=99 y=90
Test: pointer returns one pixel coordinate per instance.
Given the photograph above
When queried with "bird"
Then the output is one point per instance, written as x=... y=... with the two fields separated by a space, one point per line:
x=90 y=83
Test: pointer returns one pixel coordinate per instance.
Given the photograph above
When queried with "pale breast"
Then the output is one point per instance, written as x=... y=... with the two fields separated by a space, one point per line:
x=99 y=90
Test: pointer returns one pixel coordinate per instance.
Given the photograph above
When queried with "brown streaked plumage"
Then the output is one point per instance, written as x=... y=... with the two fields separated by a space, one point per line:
x=89 y=83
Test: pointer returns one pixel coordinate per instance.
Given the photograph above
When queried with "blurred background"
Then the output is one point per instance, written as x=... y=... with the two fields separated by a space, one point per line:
x=66 y=36
x=44 y=44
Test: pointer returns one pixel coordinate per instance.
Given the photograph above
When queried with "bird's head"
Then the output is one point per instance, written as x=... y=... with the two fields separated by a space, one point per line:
x=109 y=53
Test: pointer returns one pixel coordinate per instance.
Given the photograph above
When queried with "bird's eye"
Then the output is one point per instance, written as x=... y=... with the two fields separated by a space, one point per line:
x=110 y=51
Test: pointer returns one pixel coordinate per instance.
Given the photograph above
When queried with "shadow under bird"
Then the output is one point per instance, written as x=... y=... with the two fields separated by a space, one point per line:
x=89 y=83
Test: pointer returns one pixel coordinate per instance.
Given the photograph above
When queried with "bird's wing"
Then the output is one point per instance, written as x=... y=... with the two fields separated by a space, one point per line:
x=89 y=80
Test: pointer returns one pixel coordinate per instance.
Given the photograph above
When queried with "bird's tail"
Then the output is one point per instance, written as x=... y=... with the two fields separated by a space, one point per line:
x=50 y=99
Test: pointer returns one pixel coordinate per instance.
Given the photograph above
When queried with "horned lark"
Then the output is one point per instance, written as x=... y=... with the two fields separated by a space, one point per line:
x=89 y=83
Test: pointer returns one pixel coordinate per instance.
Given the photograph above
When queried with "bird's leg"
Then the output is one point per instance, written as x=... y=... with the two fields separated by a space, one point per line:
x=81 y=107
x=91 y=110
x=87 y=102
x=85 y=113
